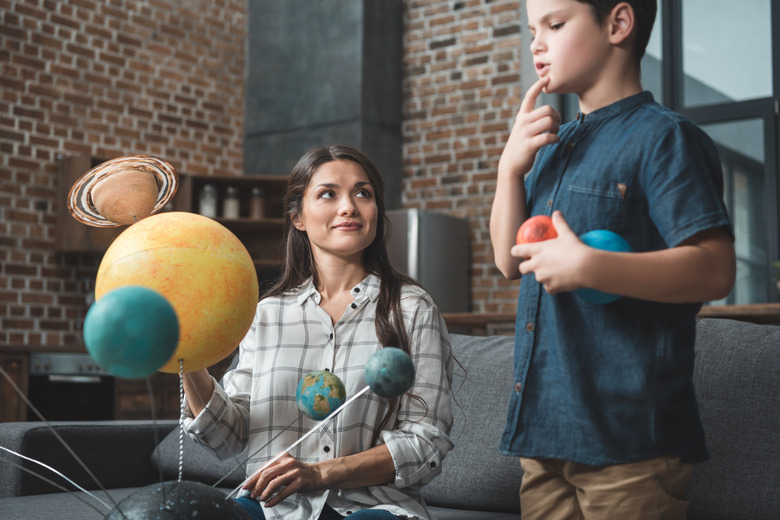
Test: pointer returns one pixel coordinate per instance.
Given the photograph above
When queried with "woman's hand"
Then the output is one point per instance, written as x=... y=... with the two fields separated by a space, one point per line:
x=289 y=475
x=283 y=478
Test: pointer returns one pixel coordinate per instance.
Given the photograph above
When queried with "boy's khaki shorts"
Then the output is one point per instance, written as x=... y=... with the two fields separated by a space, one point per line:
x=554 y=489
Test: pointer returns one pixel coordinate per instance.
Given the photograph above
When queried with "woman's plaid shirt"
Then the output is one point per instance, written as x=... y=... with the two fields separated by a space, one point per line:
x=291 y=336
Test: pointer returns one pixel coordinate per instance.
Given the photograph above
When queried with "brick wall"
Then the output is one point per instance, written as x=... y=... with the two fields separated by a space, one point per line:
x=105 y=78
x=165 y=77
x=461 y=93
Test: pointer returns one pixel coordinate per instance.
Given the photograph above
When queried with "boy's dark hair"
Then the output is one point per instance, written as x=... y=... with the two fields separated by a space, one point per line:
x=644 y=17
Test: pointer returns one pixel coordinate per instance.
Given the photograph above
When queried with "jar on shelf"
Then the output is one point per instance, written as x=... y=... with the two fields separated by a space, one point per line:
x=257 y=204
x=231 y=207
x=207 y=203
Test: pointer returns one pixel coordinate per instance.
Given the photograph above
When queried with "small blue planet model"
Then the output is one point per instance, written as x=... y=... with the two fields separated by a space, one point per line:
x=319 y=394
x=389 y=372
x=131 y=331
x=608 y=241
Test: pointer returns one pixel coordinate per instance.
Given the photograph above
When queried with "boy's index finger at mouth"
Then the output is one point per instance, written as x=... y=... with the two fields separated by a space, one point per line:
x=529 y=101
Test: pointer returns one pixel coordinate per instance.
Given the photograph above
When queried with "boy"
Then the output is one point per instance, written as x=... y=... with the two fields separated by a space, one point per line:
x=603 y=412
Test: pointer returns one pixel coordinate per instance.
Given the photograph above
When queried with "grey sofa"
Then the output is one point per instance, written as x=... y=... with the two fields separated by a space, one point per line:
x=737 y=379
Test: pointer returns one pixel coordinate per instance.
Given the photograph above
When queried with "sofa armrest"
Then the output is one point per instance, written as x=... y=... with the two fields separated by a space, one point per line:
x=116 y=452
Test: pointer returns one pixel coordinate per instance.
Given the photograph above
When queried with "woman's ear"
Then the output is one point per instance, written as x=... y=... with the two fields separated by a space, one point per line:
x=621 y=23
x=296 y=221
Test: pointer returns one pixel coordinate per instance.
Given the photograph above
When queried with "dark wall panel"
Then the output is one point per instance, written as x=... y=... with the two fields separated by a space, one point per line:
x=322 y=72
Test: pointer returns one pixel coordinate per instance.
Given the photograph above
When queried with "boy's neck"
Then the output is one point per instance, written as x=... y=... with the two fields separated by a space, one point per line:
x=610 y=89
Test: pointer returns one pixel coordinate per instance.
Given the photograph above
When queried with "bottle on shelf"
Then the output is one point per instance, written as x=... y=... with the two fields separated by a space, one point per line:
x=231 y=207
x=257 y=204
x=207 y=203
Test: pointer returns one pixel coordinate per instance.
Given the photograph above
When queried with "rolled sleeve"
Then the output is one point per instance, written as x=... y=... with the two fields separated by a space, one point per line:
x=417 y=453
x=420 y=440
x=221 y=424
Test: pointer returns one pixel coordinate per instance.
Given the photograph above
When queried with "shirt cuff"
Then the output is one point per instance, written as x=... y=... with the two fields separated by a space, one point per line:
x=204 y=423
x=417 y=453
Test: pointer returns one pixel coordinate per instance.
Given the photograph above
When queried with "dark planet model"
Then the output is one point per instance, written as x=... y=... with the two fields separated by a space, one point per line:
x=389 y=372
x=178 y=501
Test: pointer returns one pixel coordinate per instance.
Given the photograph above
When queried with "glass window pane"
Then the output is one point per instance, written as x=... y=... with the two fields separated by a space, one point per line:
x=727 y=50
x=740 y=145
x=651 y=62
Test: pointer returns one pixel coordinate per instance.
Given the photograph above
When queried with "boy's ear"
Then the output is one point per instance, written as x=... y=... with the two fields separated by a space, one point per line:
x=621 y=23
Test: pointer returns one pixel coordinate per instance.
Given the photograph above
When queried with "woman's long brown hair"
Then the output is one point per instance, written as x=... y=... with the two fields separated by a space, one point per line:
x=298 y=264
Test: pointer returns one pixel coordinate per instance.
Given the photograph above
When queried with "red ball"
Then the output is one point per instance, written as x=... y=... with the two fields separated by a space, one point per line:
x=536 y=229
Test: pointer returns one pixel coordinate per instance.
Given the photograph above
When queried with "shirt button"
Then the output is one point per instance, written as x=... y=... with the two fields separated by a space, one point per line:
x=549 y=203
x=529 y=326
x=357 y=289
x=518 y=387
x=354 y=306
x=432 y=464
x=326 y=449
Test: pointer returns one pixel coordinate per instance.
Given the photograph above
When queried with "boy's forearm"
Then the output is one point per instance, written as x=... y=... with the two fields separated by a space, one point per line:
x=508 y=213
x=699 y=270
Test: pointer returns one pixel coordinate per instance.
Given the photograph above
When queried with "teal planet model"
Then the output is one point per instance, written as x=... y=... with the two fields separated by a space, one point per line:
x=131 y=331
x=389 y=372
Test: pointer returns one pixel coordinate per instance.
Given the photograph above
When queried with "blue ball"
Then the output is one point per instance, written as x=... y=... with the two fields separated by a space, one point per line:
x=131 y=331
x=389 y=372
x=609 y=241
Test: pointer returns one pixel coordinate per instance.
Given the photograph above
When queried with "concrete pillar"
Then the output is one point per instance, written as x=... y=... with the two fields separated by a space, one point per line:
x=324 y=72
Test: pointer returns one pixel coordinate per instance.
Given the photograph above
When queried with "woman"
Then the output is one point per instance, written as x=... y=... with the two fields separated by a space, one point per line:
x=337 y=302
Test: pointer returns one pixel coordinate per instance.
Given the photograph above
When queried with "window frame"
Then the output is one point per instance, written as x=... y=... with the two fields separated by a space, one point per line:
x=766 y=109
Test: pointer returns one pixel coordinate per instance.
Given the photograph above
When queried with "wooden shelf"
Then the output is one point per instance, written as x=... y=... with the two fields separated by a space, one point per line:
x=766 y=313
x=262 y=238
x=71 y=235
x=12 y=406
x=503 y=323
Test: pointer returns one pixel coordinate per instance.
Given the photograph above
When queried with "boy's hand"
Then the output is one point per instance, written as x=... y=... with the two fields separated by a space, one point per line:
x=533 y=128
x=558 y=262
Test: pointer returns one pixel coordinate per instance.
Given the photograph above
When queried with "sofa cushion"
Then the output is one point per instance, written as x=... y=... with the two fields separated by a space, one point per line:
x=200 y=463
x=443 y=513
x=62 y=506
x=475 y=476
x=128 y=442
x=737 y=379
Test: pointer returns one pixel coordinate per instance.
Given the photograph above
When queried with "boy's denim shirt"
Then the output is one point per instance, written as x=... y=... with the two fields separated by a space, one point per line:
x=612 y=383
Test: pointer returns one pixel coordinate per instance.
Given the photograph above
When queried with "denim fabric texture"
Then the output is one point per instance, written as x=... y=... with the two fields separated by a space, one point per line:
x=612 y=383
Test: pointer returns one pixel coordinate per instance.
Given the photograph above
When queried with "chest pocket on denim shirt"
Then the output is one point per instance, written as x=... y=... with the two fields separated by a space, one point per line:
x=595 y=204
